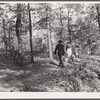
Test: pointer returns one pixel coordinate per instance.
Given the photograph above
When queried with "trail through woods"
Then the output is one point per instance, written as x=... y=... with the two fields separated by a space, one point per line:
x=29 y=33
x=83 y=75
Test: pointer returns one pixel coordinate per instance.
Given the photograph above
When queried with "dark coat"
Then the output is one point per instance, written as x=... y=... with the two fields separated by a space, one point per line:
x=60 y=49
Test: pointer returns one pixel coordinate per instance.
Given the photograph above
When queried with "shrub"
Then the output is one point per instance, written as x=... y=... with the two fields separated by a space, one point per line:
x=16 y=58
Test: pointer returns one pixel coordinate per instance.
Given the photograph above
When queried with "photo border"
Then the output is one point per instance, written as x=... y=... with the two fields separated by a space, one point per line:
x=49 y=96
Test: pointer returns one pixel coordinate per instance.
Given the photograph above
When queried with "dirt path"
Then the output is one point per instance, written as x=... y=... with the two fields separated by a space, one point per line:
x=11 y=80
x=46 y=77
x=37 y=77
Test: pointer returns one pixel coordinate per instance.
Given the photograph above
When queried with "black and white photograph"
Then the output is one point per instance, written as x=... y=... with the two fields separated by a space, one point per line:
x=50 y=47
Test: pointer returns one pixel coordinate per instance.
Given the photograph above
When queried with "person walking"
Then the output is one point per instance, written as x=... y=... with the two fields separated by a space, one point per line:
x=60 y=49
x=68 y=52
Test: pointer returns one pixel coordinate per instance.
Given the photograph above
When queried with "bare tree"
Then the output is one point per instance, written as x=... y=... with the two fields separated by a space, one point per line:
x=70 y=40
x=61 y=23
x=98 y=17
x=30 y=30
x=18 y=26
x=49 y=31
x=5 y=40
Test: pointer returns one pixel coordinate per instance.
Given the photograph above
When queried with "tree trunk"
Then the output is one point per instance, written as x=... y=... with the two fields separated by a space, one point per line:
x=61 y=25
x=30 y=30
x=49 y=35
x=9 y=39
x=98 y=16
x=50 y=46
x=70 y=40
x=18 y=27
x=5 y=40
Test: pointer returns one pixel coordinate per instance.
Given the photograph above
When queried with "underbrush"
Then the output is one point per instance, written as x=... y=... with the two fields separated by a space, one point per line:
x=14 y=59
x=79 y=76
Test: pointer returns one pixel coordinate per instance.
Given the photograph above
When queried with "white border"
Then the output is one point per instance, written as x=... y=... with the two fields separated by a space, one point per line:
x=47 y=95
x=50 y=1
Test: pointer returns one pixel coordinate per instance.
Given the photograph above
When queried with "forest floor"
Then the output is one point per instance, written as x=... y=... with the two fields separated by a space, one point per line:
x=42 y=76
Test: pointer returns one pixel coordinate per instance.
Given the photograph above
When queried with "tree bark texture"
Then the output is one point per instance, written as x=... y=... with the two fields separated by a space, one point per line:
x=30 y=30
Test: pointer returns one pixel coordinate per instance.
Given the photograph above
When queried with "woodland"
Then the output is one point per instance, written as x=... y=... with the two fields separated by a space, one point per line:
x=29 y=33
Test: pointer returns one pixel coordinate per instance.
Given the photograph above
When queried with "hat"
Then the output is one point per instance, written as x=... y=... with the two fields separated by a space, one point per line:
x=59 y=41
